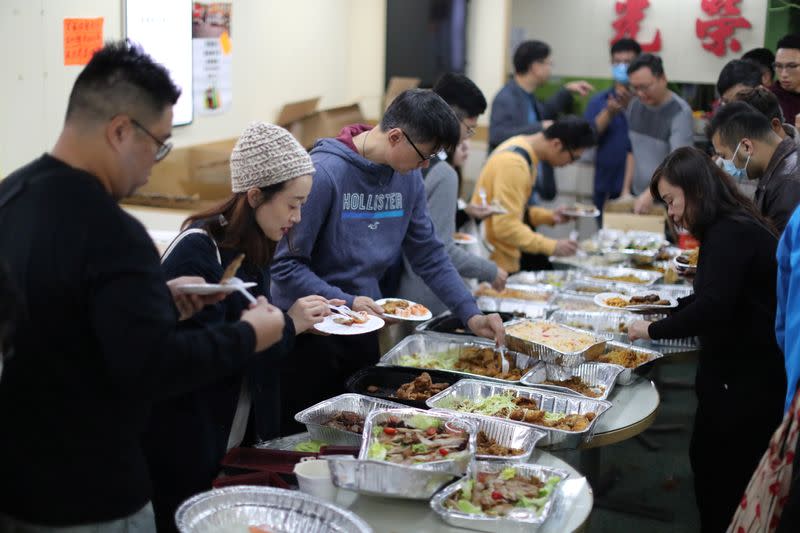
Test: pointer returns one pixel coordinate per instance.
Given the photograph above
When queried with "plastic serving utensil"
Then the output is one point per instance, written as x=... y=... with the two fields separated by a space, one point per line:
x=238 y=283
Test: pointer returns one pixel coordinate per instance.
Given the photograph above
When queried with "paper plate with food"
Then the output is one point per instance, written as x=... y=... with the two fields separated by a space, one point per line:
x=464 y=238
x=349 y=322
x=686 y=262
x=639 y=302
x=401 y=309
x=227 y=284
x=581 y=210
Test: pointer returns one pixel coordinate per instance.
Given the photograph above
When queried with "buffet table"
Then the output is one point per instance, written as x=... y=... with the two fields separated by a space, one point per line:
x=635 y=408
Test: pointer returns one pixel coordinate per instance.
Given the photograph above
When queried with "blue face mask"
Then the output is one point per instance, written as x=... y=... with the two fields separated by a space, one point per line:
x=728 y=165
x=619 y=71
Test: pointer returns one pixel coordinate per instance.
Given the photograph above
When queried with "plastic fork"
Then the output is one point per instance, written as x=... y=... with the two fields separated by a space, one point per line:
x=482 y=195
x=504 y=366
x=236 y=282
x=344 y=310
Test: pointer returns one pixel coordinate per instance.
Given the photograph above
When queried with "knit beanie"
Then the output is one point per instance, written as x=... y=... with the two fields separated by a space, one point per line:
x=267 y=154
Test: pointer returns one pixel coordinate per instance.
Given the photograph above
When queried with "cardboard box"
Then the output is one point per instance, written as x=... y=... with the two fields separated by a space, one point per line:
x=307 y=126
x=629 y=221
x=398 y=84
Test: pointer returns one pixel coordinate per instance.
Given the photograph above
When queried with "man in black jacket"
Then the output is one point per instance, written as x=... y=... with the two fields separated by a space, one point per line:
x=750 y=149
x=98 y=341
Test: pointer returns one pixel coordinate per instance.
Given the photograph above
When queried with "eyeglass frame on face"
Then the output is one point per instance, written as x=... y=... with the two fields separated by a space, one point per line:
x=572 y=156
x=785 y=66
x=643 y=88
x=470 y=129
x=164 y=148
x=423 y=159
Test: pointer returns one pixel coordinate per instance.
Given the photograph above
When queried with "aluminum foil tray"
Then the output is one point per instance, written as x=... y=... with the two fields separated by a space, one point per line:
x=626 y=377
x=602 y=376
x=288 y=443
x=586 y=288
x=548 y=354
x=582 y=260
x=316 y=415
x=537 y=293
x=646 y=277
x=236 y=508
x=508 y=434
x=555 y=278
x=518 y=521
x=447 y=324
x=614 y=323
x=673 y=291
x=381 y=478
x=438 y=344
x=520 y=308
x=553 y=402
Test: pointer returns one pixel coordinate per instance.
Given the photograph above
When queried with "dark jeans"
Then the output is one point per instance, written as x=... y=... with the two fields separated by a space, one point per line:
x=318 y=368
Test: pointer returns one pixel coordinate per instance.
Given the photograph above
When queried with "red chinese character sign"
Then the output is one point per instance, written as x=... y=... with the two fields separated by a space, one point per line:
x=629 y=14
x=716 y=33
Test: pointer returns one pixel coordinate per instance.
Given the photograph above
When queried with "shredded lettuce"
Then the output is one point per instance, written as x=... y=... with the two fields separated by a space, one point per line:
x=376 y=430
x=376 y=451
x=490 y=405
x=423 y=422
x=549 y=486
x=419 y=448
x=534 y=503
x=554 y=417
x=466 y=490
x=508 y=473
x=311 y=446
x=442 y=360
x=465 y=506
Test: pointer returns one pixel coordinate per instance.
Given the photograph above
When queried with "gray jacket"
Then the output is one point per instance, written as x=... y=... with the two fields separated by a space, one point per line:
x=441 y=190
x=778 y=191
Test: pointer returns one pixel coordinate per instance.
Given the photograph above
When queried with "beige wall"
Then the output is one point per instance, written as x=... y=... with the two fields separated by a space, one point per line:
x=283 y=51
x=579 y=32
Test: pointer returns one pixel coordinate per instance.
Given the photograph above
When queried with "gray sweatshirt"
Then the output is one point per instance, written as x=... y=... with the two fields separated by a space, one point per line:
x=441 y=191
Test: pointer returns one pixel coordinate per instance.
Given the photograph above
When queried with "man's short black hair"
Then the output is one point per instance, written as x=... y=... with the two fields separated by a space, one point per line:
x=651 y=61
x=573 y=132
x=626 y=45
x=736 y=121
x=529 y=52
x=121 y=79
x=790 y=41
x=738 y=71
x=763 y=100
x=425 y=117
x=461 y=93
x=763 y=57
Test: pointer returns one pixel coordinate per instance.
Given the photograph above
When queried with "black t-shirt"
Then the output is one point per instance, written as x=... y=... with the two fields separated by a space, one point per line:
x=97 y=345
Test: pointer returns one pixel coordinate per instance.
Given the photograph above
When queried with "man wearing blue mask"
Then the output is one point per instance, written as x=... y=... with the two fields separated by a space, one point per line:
x=613 y=160
x=750 y=149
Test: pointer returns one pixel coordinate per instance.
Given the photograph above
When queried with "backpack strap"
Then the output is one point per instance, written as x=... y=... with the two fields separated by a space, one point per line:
x=521 y=151
x=183 y=234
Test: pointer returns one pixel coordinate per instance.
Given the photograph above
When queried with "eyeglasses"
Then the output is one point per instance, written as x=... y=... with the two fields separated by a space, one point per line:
x=470 y=129
x=422 y=157
x=642 y=88
x=785 y=66
x=572 y=156
x=163 y=148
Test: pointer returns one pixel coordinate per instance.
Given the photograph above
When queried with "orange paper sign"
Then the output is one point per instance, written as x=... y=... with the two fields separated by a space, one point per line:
x=82 y=37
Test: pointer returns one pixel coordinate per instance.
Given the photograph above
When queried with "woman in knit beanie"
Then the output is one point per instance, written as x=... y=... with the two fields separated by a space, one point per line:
x=271 y=177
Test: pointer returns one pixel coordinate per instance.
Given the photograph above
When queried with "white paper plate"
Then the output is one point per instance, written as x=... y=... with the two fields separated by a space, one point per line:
x=420 y=318
x=329 y=326
x=464 y=238
x=683 y=268
x=600 y=299
x=214 y=288
x=582 y=214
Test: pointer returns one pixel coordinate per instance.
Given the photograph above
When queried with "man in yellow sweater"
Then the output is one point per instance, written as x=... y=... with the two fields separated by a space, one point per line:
x=508 y=178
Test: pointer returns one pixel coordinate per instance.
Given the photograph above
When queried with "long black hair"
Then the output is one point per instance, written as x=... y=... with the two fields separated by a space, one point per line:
x=709 y=192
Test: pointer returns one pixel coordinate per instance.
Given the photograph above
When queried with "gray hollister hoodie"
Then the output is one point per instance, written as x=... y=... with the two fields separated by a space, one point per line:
x=358 y=218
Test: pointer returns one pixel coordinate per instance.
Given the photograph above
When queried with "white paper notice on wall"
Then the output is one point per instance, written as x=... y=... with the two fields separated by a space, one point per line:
x=164 y=30
x=213 y=57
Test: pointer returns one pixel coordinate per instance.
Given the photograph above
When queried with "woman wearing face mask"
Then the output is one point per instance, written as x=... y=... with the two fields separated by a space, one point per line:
x=188 y=435
x=740 y=382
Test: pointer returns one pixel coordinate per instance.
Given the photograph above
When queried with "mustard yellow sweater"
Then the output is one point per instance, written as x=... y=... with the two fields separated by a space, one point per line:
x=508 y=180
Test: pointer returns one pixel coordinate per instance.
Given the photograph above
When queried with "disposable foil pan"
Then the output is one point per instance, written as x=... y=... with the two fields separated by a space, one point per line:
x=389 y=480
x=614 y=323
x=548 y=354
x=315 y=416
x=645 y=277
x=555 y=278
x=447 y=324
x=673 y=291
x=626 y=377
x=236 y=508
x=554 y=402
x=517 y=520
x=506 y=433
x=586 y=288
x=521 y=308
x=600 y=376
x=534 y=293
x=438 y=344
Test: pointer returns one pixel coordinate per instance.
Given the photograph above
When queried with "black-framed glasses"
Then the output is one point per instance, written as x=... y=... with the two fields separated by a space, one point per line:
x=163 y=147
x=470 y=129
x=785 y=66
x=572 y=156
x=414 y=146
